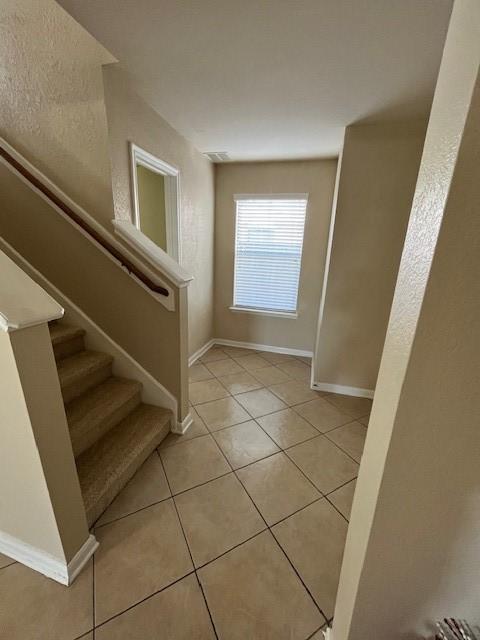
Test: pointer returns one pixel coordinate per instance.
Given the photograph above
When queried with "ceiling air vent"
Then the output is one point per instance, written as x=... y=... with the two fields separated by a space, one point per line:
x=218 y=156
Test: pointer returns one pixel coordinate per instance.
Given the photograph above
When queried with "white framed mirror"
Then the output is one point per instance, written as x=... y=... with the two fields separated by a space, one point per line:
x=155 y=188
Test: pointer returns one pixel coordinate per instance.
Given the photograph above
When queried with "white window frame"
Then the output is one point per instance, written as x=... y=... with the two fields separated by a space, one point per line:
x=289 y=315
x=139 y=156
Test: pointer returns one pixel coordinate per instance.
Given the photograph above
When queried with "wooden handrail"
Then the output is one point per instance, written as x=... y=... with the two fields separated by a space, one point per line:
x=38 y=184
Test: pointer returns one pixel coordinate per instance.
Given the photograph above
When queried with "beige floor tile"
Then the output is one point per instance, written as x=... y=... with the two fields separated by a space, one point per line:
x=319 y=635
x=252 y=362
x=277 y=487
x=33 y=607
x=252 y=592
x=194 y=462
x=274 y=358
x=260 y=402
x=138 y=556
x=293 y=392
x=314 y=540
x=287 y=428
x=224 y=367
x=324 y=463
x=199 y=372
x=304 y=359
x=364 y=419
x=222 y=413
x=206 y=391
x=237 y=352
x=245 y=443
x=240 y=382
x=350 y=438
x=197 y=428
x=5 y=561
x=214 y=353
x=296 y=369
x=270 y=375
x=148 y=485
x=216 y=517
x=177 y=613
x=322 y=414
x=342 y=498
x=355 y=407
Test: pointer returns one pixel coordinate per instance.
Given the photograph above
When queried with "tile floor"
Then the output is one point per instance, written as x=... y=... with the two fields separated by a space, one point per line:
x=235 y=530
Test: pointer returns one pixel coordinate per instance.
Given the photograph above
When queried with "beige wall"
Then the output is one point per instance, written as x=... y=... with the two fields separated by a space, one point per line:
x=54 y=105
x=315 y=177
x=51 y=100
x=413 y=546
x=151 y=205
x=131 y=119
x=41 y=503
x=105 y=292
x=375 y=190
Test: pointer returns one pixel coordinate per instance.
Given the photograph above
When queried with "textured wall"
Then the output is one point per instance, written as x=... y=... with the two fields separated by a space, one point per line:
x=131 y=119
x=375 y=190
x=315 y=177
x=413 y=545
x=51 y=99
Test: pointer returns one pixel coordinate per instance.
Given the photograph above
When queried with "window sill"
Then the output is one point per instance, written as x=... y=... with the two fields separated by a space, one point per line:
x=264 y=312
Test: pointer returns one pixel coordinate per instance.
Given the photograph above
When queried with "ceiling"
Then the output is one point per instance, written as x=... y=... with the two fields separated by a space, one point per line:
x=273 y=79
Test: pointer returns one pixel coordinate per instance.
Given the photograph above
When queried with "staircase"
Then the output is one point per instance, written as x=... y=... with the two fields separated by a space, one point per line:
x=112 y=430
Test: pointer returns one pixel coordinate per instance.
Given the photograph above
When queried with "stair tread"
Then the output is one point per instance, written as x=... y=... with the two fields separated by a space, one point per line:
x=62 y=332
x=106 y=466
x=81 y=364
x=87 y=412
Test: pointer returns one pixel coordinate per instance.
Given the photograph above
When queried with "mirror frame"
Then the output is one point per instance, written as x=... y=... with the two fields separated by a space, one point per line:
x=139 y=156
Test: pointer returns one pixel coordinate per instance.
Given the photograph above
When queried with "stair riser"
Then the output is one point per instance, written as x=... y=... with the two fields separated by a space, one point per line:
x=109 y=494
x=68 y=348
x=82 y=444
x=91 y=379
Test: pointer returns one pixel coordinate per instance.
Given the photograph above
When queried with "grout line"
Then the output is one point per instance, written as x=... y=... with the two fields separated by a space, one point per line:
x=206 y=604
x=155 y=593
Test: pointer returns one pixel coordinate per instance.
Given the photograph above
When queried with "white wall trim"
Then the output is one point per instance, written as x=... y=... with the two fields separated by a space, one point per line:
x=181 y=427
x=262 y=347
x=343 y=390
x=152 y=253
x=167 y=301
x=153 y=392
x=199 y=352
x=45 y=563
x=328 y=256
x=139 y=156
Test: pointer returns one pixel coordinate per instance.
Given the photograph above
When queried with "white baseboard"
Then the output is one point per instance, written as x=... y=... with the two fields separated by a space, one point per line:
x=46 y=564
x=263 y=347
x=153 y=392
x=181 y=427
x=199 y=352
x=343 y=390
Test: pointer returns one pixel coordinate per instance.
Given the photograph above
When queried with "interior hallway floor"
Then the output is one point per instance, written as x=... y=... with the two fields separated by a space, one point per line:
x=235 y=530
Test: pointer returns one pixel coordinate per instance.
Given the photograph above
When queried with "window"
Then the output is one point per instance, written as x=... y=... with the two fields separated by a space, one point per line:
x=268 y=251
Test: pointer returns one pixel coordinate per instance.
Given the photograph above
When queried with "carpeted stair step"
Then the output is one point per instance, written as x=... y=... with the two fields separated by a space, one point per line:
x=99 y=409
x=82 y=371
x=66 y=340
x=106 y=467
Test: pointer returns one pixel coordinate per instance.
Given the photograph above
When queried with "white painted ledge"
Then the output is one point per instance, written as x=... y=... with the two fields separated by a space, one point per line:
x=266 y=312
x=152 y=253
x=23 y=303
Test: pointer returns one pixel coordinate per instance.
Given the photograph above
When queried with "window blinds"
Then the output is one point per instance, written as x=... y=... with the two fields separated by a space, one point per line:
x=268 y=251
